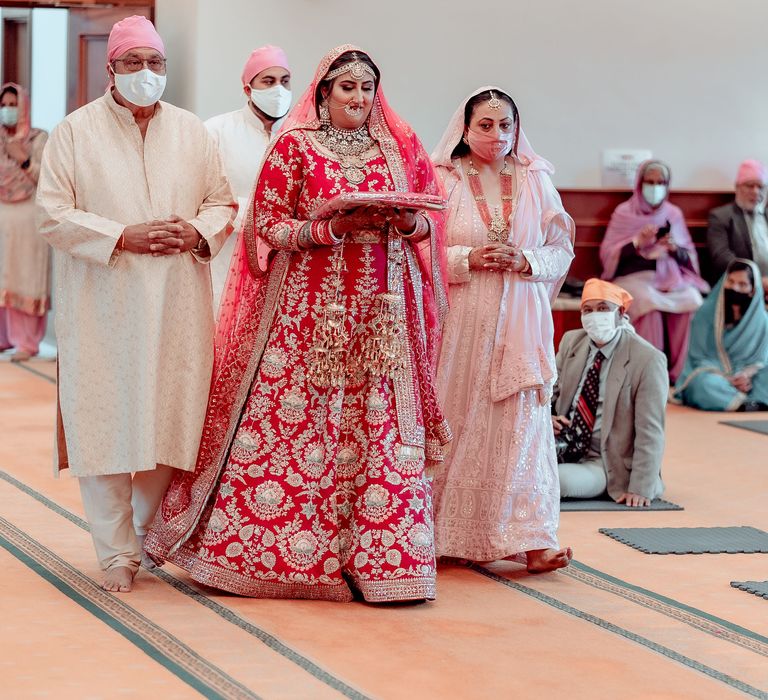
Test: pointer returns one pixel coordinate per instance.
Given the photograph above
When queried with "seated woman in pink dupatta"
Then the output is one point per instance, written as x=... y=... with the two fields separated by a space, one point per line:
x=510 y=244
x=323 y=417
x=657 y=265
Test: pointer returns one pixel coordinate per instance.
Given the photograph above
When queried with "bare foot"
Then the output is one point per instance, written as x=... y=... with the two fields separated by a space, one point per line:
x=542 y=560
x=118 y=580
x=21 y=356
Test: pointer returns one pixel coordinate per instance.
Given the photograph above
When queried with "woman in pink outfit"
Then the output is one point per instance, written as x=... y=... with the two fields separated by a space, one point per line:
x=648 y=251
x=24 y=256
x=510 y=244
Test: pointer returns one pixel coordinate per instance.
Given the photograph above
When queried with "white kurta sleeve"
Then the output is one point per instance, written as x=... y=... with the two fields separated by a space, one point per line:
x=550 y=262
x=217 y=212
x=458 y=264
x=69 y=229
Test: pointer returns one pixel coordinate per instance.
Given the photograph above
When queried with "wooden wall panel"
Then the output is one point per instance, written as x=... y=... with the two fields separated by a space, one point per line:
x=592 y=209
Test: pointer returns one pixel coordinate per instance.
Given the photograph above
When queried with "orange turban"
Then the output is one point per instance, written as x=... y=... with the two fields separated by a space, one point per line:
x=605 y=291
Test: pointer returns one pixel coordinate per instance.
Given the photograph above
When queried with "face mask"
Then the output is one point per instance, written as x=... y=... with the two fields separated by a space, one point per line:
x=274 y=102
x=654 y=194
x=142 y=88
x=9 y=116
x=487 y=146
x=733 y=298
x=600 y=326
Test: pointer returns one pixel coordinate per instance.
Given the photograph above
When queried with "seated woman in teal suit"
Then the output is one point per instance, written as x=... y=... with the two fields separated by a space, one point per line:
x=727 y=364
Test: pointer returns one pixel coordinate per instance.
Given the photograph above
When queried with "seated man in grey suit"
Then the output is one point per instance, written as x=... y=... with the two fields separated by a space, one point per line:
x=609 y=403
x=740 y=229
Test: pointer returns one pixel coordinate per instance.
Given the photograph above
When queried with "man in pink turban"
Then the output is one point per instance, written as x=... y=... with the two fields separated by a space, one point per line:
x=135 y=203
x=609 y=404
x=243 y=136
x=740 y=229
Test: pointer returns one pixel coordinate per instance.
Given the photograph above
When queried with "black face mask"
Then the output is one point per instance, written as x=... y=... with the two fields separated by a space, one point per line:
x=733 y=298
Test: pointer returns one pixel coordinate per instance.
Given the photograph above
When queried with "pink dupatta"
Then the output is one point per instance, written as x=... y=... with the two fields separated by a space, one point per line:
x=523 y=351
x=627 y=220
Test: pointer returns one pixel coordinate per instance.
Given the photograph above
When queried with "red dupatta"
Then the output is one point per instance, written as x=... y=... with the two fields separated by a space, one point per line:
x=252 y=289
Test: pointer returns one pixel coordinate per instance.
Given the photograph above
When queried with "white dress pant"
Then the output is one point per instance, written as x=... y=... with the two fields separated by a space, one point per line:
x=585 y=479
x=120 y=508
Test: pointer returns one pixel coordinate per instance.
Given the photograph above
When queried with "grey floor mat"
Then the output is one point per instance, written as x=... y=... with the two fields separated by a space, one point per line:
x=758 y=588
x=756 y=426
x=691 y=540
x=574 y=504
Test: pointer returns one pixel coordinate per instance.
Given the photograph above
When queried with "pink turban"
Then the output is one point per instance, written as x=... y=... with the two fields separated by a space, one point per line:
x=751 y=171
x=261 y=59
x=133 y=33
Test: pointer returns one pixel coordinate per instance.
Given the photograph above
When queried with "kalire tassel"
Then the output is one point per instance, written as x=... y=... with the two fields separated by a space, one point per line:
x=329 y=347
x=384 y=350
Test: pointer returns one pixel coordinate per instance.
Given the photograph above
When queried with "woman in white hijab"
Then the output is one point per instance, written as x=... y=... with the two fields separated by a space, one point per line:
x=510 y=243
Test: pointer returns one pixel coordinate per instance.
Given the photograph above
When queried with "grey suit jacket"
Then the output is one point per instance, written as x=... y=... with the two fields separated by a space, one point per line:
x=632 y=429
x=727 y=238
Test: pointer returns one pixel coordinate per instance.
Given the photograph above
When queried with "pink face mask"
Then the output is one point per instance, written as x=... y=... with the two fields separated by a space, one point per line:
x=489 y=146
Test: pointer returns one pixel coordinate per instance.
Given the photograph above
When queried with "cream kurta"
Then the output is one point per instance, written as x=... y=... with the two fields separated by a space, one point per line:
x=242 y=140
x=135 y=332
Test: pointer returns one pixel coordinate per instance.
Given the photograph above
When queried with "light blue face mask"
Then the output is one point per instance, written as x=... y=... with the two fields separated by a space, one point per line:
x=9 y=116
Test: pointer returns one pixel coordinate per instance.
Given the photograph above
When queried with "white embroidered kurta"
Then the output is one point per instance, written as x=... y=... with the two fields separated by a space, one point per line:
x=242 y=141
x=497 y=494
x=135 y=332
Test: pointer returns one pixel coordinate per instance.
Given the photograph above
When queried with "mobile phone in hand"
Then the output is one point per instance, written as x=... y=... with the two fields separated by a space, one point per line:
x=663 y=230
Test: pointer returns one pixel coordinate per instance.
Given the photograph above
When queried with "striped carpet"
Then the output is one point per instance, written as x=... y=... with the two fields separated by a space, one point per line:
x=616 y=623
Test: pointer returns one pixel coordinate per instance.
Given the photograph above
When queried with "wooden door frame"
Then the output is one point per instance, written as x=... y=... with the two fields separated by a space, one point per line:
x=78 y=4
x=17 y=17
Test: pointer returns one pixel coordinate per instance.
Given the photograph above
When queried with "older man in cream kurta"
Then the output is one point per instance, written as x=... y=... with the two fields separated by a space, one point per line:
x=134 y=321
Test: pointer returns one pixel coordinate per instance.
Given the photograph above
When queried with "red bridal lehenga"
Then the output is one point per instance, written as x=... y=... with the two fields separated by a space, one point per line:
x=323 y=417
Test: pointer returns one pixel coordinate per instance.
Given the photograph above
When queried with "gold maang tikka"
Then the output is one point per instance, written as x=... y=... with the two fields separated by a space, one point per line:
x=356 y=68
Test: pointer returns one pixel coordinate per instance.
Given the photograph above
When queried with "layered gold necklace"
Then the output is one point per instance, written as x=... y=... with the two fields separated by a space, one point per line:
x=498 y=223
x=348 y=145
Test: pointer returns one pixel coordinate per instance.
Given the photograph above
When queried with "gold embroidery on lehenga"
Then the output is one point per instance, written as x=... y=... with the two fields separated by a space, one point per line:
x=316 y=471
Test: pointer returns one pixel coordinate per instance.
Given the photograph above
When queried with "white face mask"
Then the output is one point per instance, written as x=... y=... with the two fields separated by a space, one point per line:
x=274 y=102
x=142 y=88
x=600 y=326
x=654 y=194
x=9 y=116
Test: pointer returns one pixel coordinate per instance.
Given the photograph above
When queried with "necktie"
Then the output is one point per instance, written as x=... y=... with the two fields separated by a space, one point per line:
x=583 y=421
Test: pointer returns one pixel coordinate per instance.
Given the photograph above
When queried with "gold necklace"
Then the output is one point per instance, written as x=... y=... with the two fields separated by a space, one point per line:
x=348 y=145
x=497 y=224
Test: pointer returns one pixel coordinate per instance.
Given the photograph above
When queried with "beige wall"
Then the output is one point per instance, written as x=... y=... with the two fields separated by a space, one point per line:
x=685 y=78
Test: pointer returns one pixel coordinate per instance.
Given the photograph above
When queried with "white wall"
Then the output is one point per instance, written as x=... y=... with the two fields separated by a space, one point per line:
x=685 y=78
x=177 y=23
x=49 y=67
